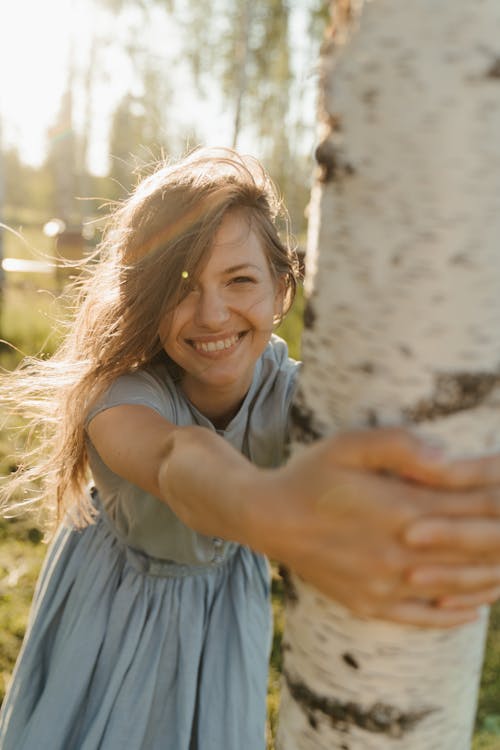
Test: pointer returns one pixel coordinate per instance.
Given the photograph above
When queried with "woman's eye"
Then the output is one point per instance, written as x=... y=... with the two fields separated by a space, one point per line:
x=242 y=280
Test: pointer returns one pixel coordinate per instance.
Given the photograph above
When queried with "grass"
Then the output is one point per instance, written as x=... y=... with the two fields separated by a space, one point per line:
x=20 y=560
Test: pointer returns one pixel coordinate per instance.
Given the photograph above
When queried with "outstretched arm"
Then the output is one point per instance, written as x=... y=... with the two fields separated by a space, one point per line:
x=341 y=513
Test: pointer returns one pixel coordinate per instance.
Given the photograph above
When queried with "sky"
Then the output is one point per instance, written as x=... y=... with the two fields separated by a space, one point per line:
x=37 y=38
x=32 y=57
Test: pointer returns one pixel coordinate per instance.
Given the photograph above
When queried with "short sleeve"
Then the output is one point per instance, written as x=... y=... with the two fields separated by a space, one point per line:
x=140 y=388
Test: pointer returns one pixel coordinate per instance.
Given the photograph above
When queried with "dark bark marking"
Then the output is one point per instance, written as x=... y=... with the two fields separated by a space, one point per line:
x=302 y=428
x=330 y=162
x=367 y=367
x=372 y=418
x=309 y=315
x=344 y=747
x=335 y=123
x=494 y=69
x=462 y=259
x=454 y=392
x=289 y=589
x=405 y=350
x=370 y=96
x=350 y=660
x=380 y=718
x=436 y=299
x=313 y=722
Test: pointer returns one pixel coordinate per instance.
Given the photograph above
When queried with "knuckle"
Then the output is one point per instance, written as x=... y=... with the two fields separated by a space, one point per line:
x=393 y=560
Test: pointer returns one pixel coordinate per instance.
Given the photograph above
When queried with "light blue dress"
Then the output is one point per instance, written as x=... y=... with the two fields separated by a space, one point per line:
x=144 y=634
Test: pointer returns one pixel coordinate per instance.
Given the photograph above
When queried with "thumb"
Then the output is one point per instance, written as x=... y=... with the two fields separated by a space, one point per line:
x=390 y=449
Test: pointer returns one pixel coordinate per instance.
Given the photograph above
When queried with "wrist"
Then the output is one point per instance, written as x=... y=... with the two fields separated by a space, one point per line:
x=270 y=517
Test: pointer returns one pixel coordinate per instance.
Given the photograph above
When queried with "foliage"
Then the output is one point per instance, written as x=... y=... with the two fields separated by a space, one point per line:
x=136 y=137
x=291 y=328
x=249 y=48
x=488 y=716
x=61 y=161
x=26 y=186
x=20 y=563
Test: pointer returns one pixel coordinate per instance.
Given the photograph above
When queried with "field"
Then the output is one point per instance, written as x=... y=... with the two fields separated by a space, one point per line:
x=27 y=320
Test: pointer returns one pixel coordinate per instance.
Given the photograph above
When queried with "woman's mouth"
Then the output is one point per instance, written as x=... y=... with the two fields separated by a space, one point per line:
x=215 y=345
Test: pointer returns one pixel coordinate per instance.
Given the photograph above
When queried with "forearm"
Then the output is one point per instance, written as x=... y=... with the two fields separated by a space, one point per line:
x=214 y=489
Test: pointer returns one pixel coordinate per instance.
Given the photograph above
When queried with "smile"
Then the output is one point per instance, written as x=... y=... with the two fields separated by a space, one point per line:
x=216 y=345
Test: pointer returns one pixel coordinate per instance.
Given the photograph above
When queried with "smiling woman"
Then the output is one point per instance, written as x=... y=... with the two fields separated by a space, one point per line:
x=223 y=324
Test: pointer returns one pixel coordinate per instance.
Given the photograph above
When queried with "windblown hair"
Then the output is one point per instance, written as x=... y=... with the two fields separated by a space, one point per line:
x=162 y=231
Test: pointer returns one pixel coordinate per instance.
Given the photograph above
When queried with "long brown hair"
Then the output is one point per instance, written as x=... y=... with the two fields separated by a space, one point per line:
x=157 y=235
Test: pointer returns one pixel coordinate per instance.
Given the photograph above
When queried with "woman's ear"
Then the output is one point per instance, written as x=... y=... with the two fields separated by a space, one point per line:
x=279 y=300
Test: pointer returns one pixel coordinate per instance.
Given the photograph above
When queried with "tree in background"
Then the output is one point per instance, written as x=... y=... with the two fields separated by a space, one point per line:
x=137 y=136
x=61 y=159
x=248 y=47
x=27 y=189
x=402 y=327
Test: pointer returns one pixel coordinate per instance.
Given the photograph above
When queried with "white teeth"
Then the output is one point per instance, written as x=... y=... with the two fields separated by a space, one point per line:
x=214 y=346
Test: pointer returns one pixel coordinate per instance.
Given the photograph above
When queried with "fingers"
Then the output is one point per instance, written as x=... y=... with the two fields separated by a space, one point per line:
x=398 y=451
x=428 y=501
x=483 y=502
x=466 y=601
x=476 y=536
x=477 y=472
x=387 y=449
x=439 y=579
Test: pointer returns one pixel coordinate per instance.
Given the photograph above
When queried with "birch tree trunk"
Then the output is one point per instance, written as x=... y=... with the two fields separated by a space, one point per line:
x=402 y=326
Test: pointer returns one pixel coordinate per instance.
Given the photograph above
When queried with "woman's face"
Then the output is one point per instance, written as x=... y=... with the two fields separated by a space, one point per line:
x=222 y=326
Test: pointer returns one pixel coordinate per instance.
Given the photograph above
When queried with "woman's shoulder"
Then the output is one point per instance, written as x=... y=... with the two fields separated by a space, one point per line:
x=276 y=377
x=270 y=404
x=276 y=361
x=150 y=386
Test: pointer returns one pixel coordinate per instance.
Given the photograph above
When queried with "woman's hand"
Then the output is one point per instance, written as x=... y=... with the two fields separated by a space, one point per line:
x=384 y=525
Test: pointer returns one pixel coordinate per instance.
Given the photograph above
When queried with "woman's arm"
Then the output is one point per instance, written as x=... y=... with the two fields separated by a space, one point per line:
x=205 y=481
x=340 y=512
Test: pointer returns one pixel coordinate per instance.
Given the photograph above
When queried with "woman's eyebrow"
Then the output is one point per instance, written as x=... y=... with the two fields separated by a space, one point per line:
x=240 y=266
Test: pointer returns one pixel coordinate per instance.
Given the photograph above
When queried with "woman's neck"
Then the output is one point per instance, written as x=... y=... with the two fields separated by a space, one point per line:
x=218 y=405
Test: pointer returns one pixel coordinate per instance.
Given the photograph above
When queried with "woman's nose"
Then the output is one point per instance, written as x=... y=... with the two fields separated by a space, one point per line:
x=211 y=310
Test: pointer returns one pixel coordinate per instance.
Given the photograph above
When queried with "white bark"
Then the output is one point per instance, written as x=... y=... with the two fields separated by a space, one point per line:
x=403 y=326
